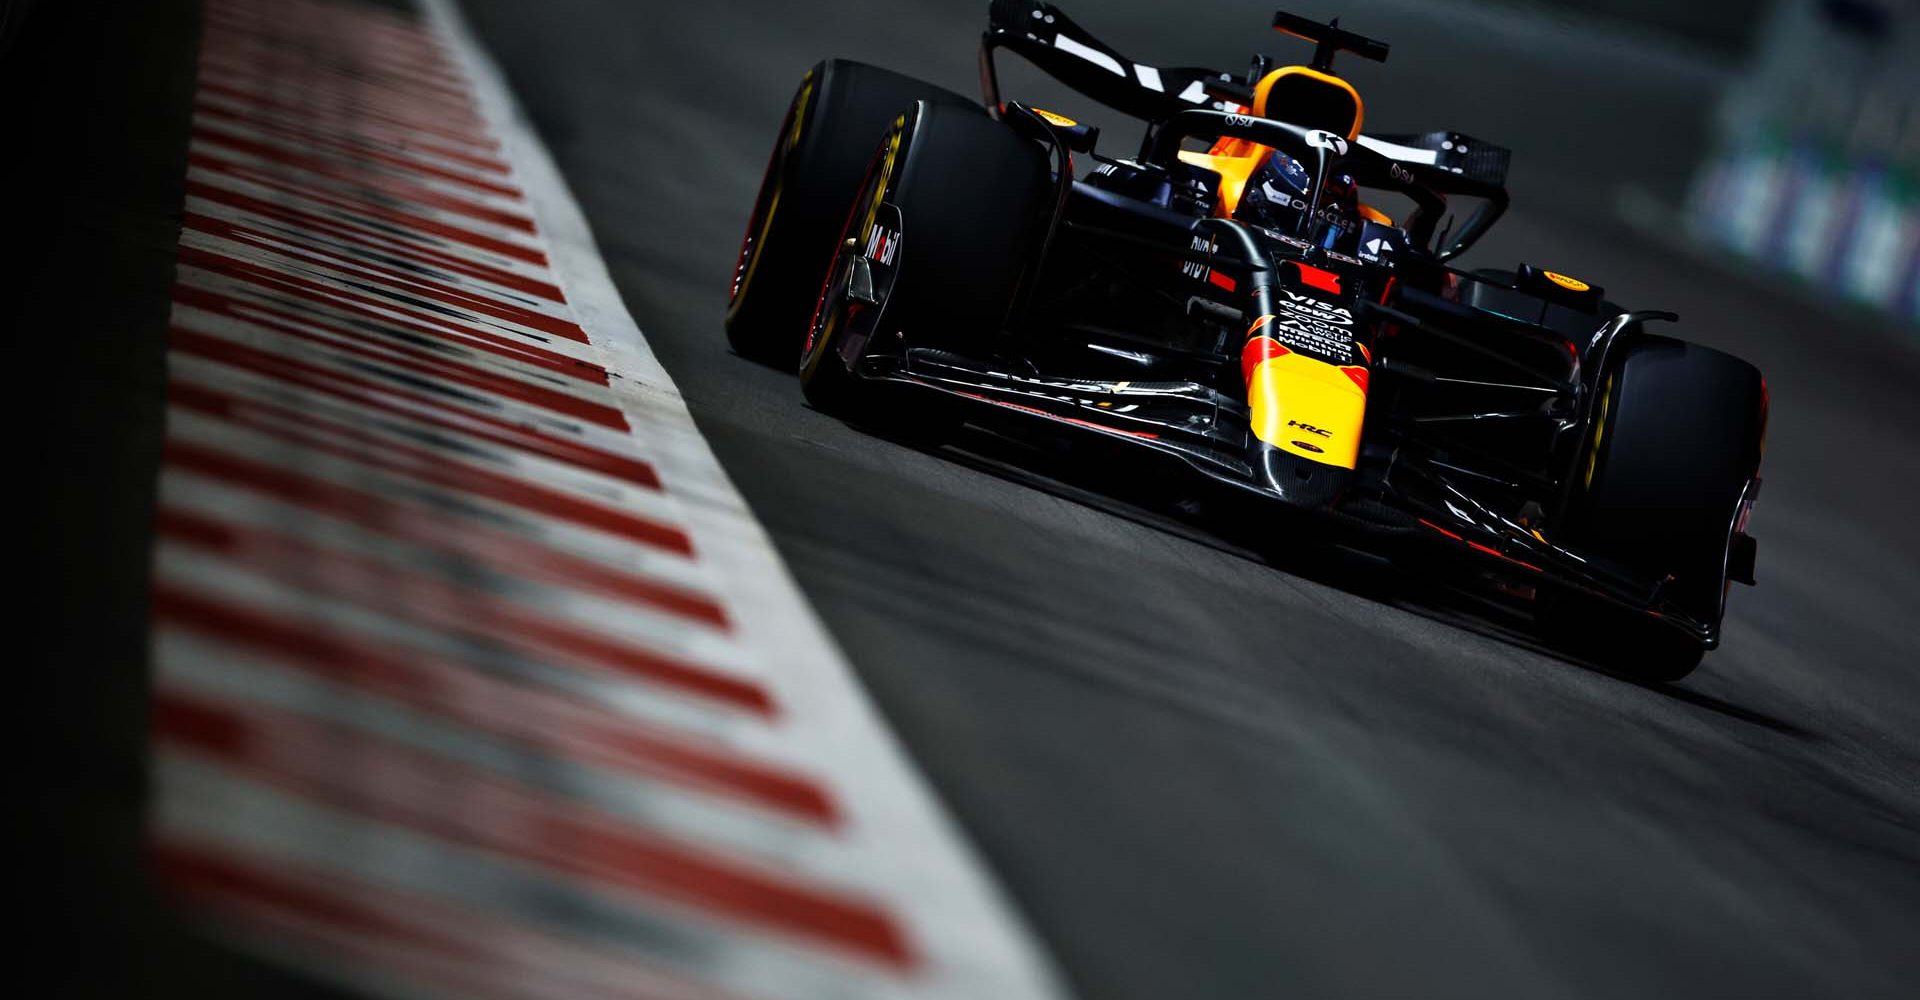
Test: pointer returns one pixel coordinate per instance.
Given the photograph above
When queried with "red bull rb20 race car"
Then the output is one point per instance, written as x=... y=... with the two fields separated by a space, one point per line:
x=1262 y=294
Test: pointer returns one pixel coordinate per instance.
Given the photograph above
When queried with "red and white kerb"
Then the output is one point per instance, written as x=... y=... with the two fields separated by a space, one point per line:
x=473 y=676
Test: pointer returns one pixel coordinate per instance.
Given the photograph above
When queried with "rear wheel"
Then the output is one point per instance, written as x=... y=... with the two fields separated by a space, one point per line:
x=816 y=165
x=941 y=230
x=1677 y=440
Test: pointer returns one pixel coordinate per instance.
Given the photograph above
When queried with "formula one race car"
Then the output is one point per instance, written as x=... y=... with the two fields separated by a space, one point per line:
x=1262 y=294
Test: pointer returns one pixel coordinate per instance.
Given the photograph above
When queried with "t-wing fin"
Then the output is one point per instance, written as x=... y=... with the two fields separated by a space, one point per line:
x=1328 y=39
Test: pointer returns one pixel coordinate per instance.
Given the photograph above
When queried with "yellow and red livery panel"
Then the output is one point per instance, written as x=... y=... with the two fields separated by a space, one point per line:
x=1306 y=372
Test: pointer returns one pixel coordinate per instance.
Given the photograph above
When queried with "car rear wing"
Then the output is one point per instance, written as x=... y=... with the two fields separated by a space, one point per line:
x=1048 y=38
x=1446 y=162
x=1453 y=164
x=1446 y=156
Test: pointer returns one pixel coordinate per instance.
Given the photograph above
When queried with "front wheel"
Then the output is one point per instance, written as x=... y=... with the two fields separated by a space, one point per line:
x=933 y=250
x=815 y=167
x=1663 y=483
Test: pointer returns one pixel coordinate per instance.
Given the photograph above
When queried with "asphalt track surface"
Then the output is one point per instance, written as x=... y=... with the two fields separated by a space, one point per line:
x=1201 y=775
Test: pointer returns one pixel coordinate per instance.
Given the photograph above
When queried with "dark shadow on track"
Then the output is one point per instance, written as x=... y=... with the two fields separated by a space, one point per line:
x=1185 y=507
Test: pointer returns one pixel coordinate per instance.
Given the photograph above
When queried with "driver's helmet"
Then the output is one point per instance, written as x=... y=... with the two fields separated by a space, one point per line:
x=1276 y=197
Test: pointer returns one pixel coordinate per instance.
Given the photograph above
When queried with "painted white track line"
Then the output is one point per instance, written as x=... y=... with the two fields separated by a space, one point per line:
x=475 y=677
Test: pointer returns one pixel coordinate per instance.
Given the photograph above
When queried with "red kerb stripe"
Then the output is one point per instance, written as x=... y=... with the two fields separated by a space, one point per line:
x=450 y=949
x=455 y=611
x=446 y=533
x=318 y=308
x=359 y=773
x=443 y=369
x=556 y=723
x=366 y=394
x=459 y=300
x=435 y=468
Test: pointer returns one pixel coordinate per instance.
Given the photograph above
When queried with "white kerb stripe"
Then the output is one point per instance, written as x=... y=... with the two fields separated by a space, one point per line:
x=912 y=855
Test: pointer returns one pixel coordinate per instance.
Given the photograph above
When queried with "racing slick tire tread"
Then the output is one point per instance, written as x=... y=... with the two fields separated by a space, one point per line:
x=1680 y=437
x=818 y=159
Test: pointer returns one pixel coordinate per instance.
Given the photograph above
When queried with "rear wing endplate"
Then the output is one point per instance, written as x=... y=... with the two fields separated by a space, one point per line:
x=1471 y=163
x=1452 y=163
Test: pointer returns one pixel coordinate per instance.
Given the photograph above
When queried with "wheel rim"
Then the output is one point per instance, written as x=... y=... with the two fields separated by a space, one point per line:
x=772 y=183
x=1742 y=510
x=832 y=310
x=1599 y=432
x=827 y=314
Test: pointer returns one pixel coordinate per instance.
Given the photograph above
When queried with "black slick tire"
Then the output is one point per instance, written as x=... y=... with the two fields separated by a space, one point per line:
x=819 y=155
x=970 y=197
x=1676 y=441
